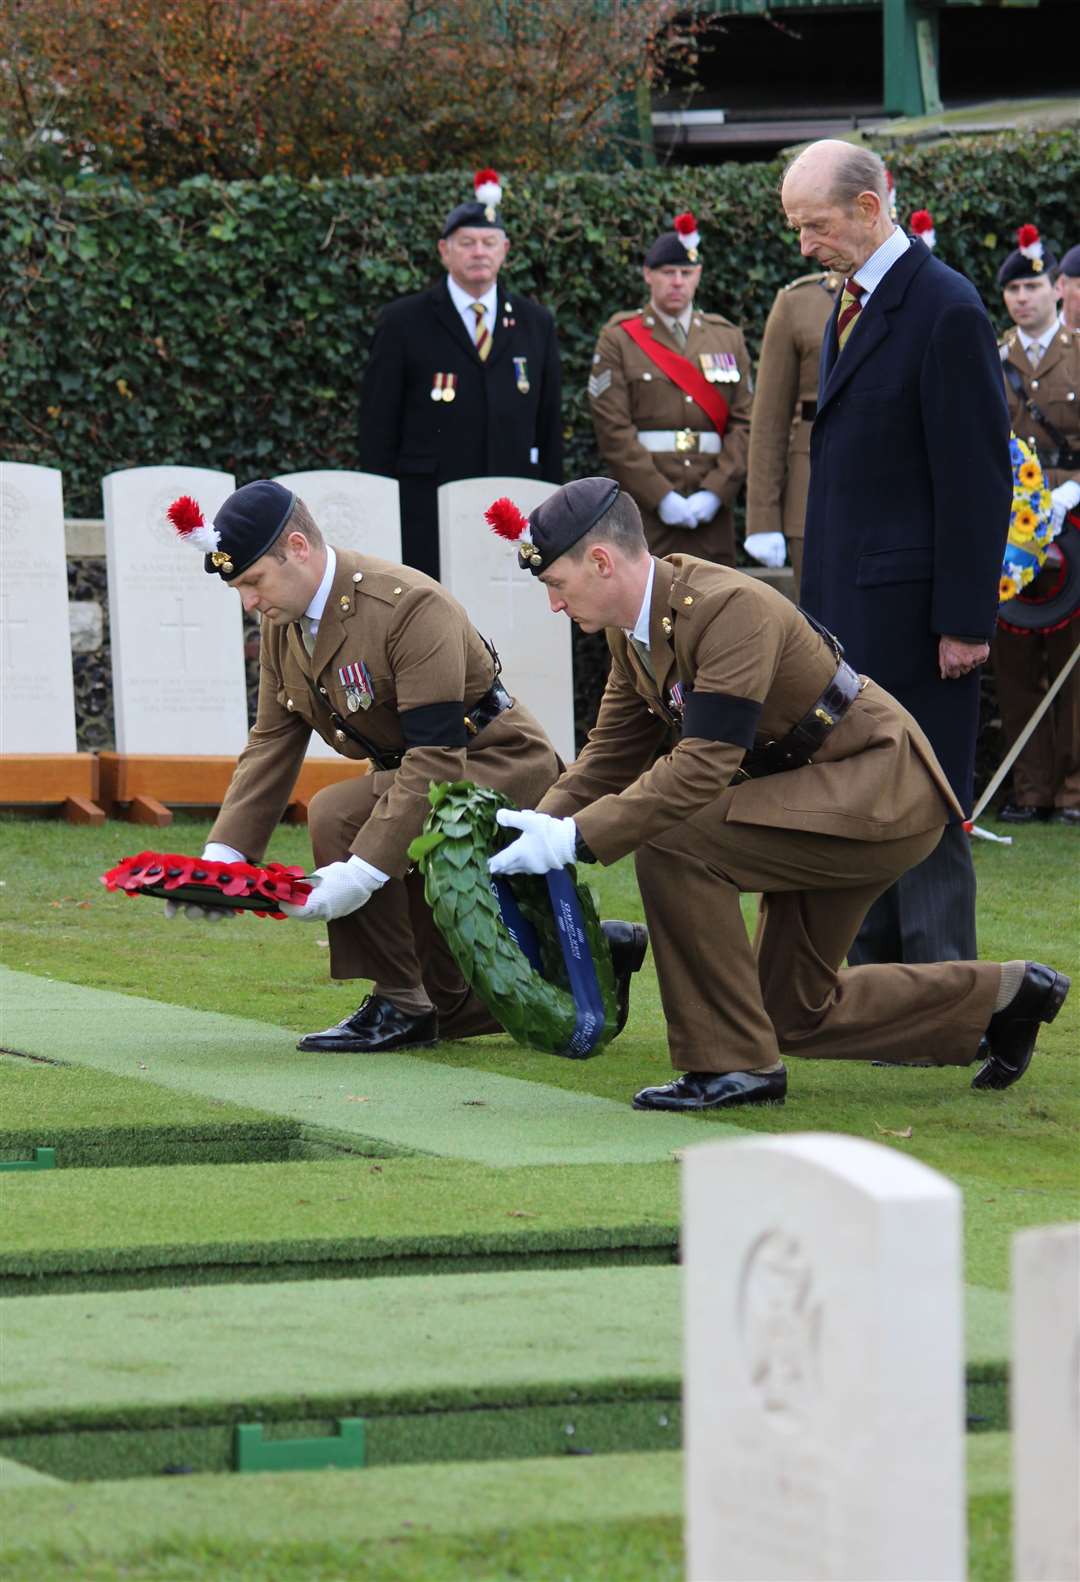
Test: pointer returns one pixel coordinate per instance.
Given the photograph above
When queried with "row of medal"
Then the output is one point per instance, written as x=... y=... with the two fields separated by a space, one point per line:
x=444 y=386
x=719 y=368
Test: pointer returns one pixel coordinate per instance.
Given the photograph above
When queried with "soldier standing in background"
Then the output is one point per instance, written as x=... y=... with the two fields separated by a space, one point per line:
x=1040 y=359
x=671 y=393
x=1069 y=285
x=785 y=403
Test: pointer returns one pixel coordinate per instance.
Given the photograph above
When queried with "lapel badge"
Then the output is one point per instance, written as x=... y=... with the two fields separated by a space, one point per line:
x=508 y=320
x=667 y=626
x=449 y=389
x=521 y=373
x=437 y=386
x=344 y=601
x=356 y=679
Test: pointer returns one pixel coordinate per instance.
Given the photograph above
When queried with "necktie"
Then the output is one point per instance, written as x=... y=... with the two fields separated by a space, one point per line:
x=483 y=334
x=642 y=651
x=850 y=308
x=307 y=636
x=679 y=333
x=1034 y=352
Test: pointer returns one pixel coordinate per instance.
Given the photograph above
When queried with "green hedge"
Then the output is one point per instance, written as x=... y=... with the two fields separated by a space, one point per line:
x=225 y=325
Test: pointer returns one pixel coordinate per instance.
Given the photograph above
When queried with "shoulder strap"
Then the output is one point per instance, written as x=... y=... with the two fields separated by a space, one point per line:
x=681 y=371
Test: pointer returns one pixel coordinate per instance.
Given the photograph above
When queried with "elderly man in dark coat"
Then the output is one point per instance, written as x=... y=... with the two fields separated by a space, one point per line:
x=910 y=491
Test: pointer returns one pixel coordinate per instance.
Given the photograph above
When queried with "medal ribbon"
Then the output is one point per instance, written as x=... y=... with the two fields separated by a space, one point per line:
x=690 y=380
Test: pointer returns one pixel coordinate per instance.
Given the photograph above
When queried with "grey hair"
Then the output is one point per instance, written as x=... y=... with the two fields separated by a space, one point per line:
x=856 y=170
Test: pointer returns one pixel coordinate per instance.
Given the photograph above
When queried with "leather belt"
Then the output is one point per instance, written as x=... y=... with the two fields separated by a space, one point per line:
x=496 y=701
x=680 y=440
x=797 y=748
x=808 y=410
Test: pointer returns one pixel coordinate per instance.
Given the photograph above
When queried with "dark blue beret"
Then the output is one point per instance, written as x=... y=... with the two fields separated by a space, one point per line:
x=564 y=517
x=1070 y=264
x=479 y=216
x=247 y=525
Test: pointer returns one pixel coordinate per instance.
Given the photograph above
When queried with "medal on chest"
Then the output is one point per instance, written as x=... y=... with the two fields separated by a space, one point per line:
x=521 y=374
x=719 y=368
x=359 y=691
x=443 y=387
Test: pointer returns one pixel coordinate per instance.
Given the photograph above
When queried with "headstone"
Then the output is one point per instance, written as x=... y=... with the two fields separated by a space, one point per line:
x=505 y=603
x=824 y=1368
x=37 y=712
x=354 y=510
x=1045 y=1403
x=177 y=634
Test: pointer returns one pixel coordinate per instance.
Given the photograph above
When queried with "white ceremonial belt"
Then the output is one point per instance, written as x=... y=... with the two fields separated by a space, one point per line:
x=680 y=440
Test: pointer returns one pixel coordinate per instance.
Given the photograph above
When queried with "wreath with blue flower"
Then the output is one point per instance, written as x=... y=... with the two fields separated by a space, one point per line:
x=1029 y=522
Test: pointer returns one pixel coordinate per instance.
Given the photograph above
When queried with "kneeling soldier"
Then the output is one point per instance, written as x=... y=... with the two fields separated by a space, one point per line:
x=736 y=752
x=385 y=665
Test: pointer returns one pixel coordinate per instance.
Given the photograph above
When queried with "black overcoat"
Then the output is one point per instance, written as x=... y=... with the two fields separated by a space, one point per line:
x=910 y=493
x=504 y=418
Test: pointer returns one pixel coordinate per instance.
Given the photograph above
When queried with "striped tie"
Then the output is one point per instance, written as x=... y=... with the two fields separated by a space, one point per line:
x=483 y=334
x=850 y=308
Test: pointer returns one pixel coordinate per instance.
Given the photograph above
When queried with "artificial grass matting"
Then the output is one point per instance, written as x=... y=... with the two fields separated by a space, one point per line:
x=90 y=1230
x=447 y=1367
x=407 y=1103
x=594 y=1520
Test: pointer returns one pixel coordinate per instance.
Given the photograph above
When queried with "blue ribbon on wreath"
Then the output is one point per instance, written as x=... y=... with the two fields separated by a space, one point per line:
x=577 y=957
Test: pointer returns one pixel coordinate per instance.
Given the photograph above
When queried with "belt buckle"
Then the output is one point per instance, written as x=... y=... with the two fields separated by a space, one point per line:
x=685 y=439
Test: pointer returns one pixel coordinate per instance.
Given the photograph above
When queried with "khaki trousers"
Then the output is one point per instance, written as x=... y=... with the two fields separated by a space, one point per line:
x=1047 y=772
x=735 y=1006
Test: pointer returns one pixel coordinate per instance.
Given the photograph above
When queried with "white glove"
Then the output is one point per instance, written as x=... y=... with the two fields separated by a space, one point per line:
x=1065 y=498
x=337 y=890
x=213 y=851
x=704 y=504
x=677 y=512
x=545 y=843
x=768 y=549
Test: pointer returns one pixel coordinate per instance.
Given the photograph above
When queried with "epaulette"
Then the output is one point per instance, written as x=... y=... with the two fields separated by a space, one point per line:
x=617 y=318
x=378 y=584
x=830 y=281
x=716 y=318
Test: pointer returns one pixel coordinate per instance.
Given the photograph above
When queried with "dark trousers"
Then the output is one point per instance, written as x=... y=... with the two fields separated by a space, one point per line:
x=928 y=914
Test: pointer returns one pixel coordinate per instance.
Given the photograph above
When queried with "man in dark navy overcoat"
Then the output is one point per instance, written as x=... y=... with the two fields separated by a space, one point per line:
x=910 y=492
x=462 y=381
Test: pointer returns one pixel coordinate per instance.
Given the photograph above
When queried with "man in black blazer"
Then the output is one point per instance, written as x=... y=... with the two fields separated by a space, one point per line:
x=910 y=492
x=462 y=381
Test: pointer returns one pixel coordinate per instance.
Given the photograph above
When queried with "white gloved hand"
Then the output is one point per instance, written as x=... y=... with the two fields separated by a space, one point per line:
x=1064 y=499
x=676 y=512
x=704 y=504
x=338 y=889
x=768 y=549
x=213 y=851
x=544 y=843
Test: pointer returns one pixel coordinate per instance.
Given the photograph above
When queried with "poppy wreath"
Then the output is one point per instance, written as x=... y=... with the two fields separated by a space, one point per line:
x=535 y=1007
x=229 y=886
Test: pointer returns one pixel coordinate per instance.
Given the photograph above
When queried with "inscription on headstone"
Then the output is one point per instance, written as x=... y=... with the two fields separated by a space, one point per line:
x=481 y=570
x=37 y=700
x=177 y=636
x=824 y=1375
x=1044 y=1382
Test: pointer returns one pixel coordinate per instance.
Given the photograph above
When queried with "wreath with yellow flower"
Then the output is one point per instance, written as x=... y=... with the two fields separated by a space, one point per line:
x=1029 y=522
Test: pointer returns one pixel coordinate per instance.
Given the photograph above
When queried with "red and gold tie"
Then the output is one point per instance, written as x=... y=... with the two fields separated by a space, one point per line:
x=483 y=334
x=850 y=308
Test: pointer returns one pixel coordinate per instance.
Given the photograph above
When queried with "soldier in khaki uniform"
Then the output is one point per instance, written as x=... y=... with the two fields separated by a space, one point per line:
x=736 y=752
x=385 y=666
x=1040 y=359
x=665 y=448
x=785 y=403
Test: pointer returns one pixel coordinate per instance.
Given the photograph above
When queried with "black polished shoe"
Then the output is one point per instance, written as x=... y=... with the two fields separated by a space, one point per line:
x=713 y=1090
x=376 y=1028
x=1067 y=815
x=628 y=943
x=1010 y=1037
x=1013 y=813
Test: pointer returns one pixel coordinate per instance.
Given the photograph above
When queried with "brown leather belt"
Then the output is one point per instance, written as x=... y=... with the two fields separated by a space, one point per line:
x=797 y=748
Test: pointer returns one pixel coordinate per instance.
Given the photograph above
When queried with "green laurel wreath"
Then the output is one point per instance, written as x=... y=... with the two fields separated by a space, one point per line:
x=460 y=833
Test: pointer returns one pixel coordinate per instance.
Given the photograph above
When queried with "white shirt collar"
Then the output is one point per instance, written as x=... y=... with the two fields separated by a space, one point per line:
x=314 y=611
x=463 y=302
x=877 y=266
x=641 y=626
x=1043 y=340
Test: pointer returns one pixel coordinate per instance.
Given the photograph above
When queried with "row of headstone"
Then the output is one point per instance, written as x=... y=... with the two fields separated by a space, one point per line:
x=177 y=649
x=824 y=1415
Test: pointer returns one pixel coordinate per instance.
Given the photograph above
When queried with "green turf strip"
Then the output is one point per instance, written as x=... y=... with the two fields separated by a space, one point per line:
x=13 y=1474
x=454 y=1367
x=113 y=1229
x=411 y=1104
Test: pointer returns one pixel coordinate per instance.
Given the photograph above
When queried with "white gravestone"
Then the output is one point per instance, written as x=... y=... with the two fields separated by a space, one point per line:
x=177 y=634
x=824 y=1367
x=354 y=510
x=1045 y=1404
x=506 y=603
x=37 y=698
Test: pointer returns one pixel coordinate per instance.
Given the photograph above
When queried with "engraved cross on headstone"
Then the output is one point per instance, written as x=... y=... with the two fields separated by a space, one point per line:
x=181 y=627
x=7 y=623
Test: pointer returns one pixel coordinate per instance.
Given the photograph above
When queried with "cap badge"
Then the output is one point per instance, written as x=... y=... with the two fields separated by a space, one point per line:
x=221 y=562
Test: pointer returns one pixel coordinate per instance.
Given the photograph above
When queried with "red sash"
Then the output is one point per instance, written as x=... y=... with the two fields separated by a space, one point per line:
x=681 y=371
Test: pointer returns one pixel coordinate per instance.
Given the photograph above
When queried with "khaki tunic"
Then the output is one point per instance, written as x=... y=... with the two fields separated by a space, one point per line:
x=1047 y=771
x=420 y=649
x=628 y=393
x=821 y=842
x=779 y=466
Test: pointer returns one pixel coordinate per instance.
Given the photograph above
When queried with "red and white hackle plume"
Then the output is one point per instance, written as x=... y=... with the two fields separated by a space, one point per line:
x=922 y=224
x=488 y=190
x=186 y=516
x=506 y=519
x=687 y=232
x=890 y=188
x=1030 y=244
